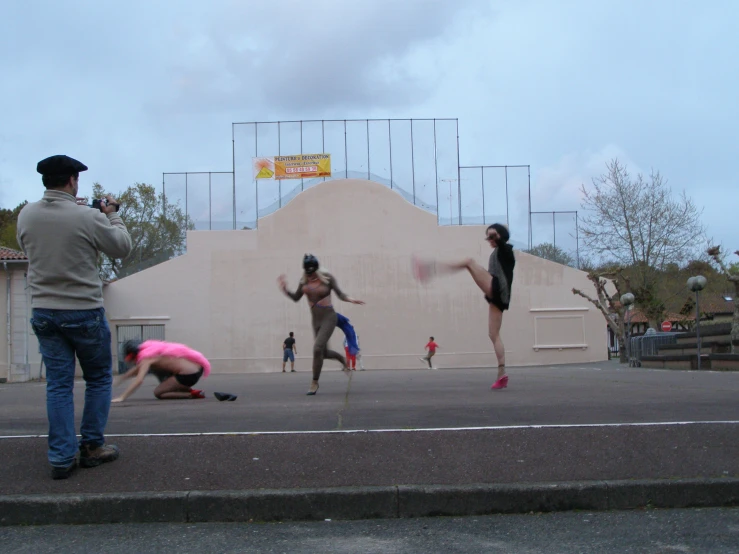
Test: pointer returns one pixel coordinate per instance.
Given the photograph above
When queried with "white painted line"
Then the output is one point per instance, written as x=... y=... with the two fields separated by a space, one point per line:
x=425 y=430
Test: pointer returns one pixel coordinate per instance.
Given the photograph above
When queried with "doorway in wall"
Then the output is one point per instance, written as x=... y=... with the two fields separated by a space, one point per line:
x=135 y=332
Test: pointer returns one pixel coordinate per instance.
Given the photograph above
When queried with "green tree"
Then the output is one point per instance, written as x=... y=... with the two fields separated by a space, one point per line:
x=637 y=223
x=9 y=225
x=553 y=253
x=158 y=232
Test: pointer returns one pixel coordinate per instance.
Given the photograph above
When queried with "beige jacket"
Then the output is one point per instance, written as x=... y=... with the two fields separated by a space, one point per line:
x=62 y=241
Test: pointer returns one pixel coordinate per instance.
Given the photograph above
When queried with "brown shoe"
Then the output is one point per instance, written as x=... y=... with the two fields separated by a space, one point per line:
x=63 y=472
x=93 y=457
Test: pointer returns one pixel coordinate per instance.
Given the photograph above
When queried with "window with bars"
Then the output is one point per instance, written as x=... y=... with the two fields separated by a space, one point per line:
x=135 y=332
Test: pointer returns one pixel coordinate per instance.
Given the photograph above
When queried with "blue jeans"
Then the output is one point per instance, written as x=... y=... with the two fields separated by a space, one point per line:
x=62 y=334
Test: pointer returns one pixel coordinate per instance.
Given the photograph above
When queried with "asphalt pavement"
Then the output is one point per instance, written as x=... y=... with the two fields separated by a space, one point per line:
x=440 y=433
x=704 y=531
x=405 y=399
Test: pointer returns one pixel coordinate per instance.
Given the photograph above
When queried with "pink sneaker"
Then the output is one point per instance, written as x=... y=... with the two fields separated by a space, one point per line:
x=501 y=383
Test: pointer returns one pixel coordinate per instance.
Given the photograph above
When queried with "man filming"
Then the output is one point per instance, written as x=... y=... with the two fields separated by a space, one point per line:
x=62 y=238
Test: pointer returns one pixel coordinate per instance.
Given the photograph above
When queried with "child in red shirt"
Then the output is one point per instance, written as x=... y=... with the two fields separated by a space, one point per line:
x=431 y=347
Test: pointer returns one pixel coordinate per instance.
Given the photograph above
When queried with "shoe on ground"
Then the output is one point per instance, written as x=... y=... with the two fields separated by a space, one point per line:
x=63 y=472
x=94 y=456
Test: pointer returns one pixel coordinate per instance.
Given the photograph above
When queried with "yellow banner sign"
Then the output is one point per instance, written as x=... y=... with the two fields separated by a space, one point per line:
x=300 y=166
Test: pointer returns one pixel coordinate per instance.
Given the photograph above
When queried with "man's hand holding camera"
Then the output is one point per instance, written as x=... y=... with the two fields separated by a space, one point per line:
x=107 y=205
x=111 y=205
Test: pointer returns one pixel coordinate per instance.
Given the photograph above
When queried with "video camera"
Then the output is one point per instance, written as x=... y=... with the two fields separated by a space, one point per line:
x=100 y=203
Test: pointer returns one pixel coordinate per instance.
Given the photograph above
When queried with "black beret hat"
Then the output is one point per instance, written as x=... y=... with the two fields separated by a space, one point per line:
x=59 y=165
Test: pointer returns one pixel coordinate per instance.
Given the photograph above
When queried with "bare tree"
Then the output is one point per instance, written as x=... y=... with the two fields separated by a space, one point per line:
x=637 y=223
x=733 y=277
x=609 y=304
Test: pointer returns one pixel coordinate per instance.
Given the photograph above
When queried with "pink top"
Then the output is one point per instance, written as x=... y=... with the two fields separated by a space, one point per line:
x=154 y=348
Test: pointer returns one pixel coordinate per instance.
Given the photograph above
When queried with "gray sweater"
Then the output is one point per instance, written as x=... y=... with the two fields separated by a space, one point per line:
x=62 y=241
x=500 y=265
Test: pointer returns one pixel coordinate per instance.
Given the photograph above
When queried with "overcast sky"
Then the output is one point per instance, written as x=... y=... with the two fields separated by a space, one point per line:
x=137 y=88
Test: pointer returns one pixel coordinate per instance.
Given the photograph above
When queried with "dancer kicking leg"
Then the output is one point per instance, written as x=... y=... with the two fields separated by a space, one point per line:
x=495 y=283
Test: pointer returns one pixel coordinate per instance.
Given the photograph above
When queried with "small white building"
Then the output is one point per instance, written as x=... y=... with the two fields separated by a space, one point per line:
x=20 y=359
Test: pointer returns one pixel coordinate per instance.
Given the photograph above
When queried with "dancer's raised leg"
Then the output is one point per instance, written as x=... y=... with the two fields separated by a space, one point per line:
x=426 y=270
x=329 y=354
x=324 y=326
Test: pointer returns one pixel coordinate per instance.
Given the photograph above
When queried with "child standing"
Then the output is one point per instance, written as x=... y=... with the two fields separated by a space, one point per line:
x=431 y=347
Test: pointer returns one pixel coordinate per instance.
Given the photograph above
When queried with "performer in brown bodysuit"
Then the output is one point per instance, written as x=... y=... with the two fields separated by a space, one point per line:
x=317 y=286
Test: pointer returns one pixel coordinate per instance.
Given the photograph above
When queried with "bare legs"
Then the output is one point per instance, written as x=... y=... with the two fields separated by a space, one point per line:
x=495 y=320
x=171 y=389
x=425 y=270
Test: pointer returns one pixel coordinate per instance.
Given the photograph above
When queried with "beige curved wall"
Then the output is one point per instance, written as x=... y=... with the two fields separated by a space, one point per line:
x=222 y=297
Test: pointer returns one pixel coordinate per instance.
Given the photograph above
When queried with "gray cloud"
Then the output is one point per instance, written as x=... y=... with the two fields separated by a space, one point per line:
x=329 y=56
x=137 y=88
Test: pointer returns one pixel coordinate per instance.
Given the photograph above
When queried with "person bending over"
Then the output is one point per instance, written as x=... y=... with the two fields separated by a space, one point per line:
x=177 y=366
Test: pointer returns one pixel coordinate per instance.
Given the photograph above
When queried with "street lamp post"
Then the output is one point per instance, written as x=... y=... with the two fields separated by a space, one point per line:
x=697 y=284
x=627 y=300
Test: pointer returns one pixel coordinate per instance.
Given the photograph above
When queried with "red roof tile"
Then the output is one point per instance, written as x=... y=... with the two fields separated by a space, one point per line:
x=7 y=254
x=639 y=317
x=717 y=304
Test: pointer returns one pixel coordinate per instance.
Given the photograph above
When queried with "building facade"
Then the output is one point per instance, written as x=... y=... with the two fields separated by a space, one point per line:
x=221 y=297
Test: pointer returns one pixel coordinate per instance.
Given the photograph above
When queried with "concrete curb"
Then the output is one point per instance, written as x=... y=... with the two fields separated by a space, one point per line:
x=364 y=502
